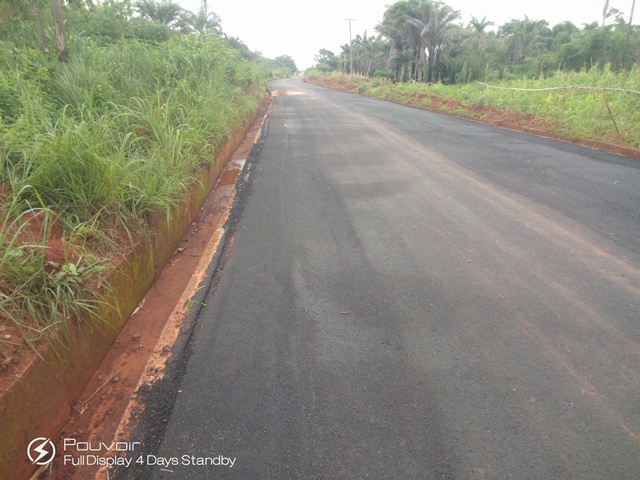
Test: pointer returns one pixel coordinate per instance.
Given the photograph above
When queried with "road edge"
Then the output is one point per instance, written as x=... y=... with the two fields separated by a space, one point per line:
x=177 y=333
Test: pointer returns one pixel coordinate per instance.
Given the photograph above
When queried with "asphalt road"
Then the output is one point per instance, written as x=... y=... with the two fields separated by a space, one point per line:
x=408 y=295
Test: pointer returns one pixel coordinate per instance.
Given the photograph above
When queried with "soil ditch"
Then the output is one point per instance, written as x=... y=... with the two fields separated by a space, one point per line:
x=83 y=392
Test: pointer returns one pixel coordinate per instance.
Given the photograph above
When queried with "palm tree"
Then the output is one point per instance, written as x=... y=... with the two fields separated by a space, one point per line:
x=420 y=26
x=478 y=37
x=201 y=23
x=417 y=24
x=237 y=44
x=478 y=47
x=165 y=12
x=523 y=37
x=403 y=33
x=380 y=54
x=404 y=59
x=369 y=54
x=345 y=57
x=359 y=46
x=435 y=23
x=208 y=22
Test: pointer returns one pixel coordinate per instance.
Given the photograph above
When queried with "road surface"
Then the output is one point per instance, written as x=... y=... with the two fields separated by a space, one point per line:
x=409 y=295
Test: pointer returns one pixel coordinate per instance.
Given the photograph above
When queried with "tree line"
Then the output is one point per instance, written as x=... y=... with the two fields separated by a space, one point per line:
x=423 y=41
x=35 y=23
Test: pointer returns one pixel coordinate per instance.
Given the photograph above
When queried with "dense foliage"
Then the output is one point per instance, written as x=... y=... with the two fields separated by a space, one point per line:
x=422 y=40
x=98 y=140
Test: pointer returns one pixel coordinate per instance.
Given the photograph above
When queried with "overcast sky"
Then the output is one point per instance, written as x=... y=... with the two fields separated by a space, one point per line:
x=301 y=28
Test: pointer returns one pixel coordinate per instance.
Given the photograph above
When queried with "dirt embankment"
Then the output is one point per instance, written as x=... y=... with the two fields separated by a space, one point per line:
x=76 y=394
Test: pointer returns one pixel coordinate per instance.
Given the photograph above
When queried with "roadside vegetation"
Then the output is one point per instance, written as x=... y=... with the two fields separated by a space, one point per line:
x=577 y=81
x=596 y=104
x=103 y=128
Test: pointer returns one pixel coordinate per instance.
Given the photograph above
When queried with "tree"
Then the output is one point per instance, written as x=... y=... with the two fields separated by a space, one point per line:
x=434 y=32
x=523 y=38
x=58 y=23
x=403 y=59
x=202 y=23
x=285 y=61
x=420 y=26
x=165 y=11
x=403 y=33
x=420 y=40
x=37 y=13
x=476 y=53
x=326 y=61
x=478 y=36
x=369 y=53
x=237 y=44
x=19 y=11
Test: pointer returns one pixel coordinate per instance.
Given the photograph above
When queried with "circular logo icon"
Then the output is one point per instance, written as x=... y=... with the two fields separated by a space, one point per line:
x=41 y=451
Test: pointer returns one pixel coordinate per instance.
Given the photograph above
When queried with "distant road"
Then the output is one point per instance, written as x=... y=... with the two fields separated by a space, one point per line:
x=412 y=296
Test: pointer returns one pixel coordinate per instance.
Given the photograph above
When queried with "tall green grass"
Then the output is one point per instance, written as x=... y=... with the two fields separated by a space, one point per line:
x=595 y=103
x=130 y=125
x=40 y=297
x=104 y=143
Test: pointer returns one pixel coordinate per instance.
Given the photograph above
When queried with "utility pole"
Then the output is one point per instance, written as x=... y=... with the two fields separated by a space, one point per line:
x=350 y=46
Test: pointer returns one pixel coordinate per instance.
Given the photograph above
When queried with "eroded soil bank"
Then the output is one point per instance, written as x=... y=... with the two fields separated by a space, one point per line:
x=83 y=393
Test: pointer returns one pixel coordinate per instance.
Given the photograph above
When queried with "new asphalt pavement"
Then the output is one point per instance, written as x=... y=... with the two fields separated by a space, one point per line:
x=406 y=295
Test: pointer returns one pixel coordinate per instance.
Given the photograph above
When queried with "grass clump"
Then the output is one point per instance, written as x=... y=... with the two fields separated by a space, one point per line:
x=97 y=147
x=42 y=292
